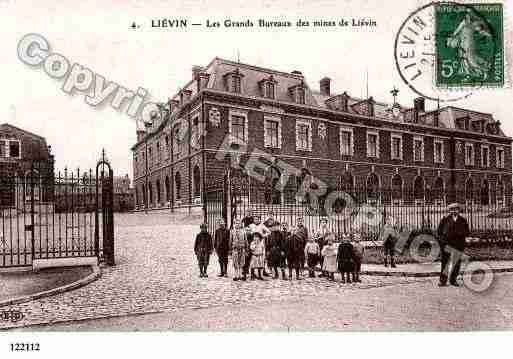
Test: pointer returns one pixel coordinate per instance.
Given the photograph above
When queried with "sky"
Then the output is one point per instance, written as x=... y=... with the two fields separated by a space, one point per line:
x=97 y=34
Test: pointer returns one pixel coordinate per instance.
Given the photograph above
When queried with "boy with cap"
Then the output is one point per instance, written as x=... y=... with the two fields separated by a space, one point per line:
x=203 y=249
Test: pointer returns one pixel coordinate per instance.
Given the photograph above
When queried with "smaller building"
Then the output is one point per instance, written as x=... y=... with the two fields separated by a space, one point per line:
x=23 y=156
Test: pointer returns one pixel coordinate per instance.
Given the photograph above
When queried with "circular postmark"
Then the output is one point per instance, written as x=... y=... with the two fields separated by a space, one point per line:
x=445 y=50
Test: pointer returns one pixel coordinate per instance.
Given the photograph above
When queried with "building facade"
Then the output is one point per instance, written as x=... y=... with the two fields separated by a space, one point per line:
x=231 y=110
x=24 y=155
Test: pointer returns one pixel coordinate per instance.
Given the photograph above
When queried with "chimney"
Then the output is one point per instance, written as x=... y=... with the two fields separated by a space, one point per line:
x=419 y=107
x=202 y=80
x=324 y=85
x=370 y=103
x=419 y=104
x=297 y=73
x=195 y=71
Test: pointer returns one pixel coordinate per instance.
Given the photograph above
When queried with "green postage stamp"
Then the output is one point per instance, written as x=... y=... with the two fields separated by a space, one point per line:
x=469 y=45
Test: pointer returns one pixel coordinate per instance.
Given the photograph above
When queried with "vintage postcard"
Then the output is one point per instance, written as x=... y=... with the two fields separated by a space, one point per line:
x=284 y=166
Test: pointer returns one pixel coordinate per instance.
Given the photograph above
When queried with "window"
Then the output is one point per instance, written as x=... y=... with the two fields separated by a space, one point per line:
x=166 y=184
x=196 y=182
x=195 y=135
x=346 y=141
x=299 y=95
x=469 y=154
x=158 y=152
x=158 y=191
x=485 y=156
x=439 y=151
x=303 y=135
x=396 y=147
x=178 y=185
x=238 y=126
x=269 y=89
x=150 y=157
x=10 y=149
x=418 y=149
x=500 y=157
x=177 y=143
x=372 y=144
x=272 y=132
x=166 y=148
x=14 y=149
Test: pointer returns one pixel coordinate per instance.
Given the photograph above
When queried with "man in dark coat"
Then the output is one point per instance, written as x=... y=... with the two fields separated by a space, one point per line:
x=452 y=232
x=203 y=249
x=295 y=251
x=345 y=260
x=222 y=247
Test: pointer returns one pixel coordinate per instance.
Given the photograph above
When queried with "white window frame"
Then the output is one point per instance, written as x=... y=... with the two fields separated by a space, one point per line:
x=375 y=133
x=442 y=153
x=268 y=118
x=305 y=123
x=500 y=164
x=7 y=148
x=469 y=161
x=350 y=130
x=240 y=114
x=483 y=164
x=421 y=140
x=392 y=137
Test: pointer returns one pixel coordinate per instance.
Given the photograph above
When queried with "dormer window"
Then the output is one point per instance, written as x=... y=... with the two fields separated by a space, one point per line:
x=299 y=96
x=233 y=81
x=267 y=87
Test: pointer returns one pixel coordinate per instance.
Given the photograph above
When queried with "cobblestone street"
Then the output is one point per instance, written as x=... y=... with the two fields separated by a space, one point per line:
x=156 y=273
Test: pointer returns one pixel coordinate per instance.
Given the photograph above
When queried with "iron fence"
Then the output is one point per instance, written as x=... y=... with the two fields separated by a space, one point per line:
x=356 y=209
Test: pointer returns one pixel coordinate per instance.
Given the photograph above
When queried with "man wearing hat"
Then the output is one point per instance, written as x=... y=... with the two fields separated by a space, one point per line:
x=452 y=232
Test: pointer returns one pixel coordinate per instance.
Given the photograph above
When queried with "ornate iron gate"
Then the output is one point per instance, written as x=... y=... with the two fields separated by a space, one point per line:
x=47 y=216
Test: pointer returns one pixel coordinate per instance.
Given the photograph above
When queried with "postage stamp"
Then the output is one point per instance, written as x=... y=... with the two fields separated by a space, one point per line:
x=469 y=45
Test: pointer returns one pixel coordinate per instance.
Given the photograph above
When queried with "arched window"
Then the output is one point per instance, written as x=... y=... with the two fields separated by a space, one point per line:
x=158 y=191
x=303 y=185
x=418 y=189
x=272 y=186
x=150 y=193
x=485 y=193
x=438 y=189
x=196 y=181
x=347 y=182
x=372 y=186
x=469 y=190
x=178 y=186
x=166 y=185
x=500 y=193
x=397 y=187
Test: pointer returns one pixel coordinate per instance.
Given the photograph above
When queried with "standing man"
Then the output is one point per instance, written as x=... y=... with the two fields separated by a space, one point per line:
x=222 y=246
x=203 y=249
x=452 y=232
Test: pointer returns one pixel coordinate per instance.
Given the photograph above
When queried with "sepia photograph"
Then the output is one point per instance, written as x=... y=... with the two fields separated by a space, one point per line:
x=291 y=167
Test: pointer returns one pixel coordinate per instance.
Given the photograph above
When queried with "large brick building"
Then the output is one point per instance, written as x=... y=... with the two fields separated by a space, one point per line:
x=343 y=141
x=23 y=154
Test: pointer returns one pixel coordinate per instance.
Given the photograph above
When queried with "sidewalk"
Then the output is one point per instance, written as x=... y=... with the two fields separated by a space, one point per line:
x=426 y=269
x=22 y=284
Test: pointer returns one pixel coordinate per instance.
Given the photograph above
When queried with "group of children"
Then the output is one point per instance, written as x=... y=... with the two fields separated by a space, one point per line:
x=256 y=247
